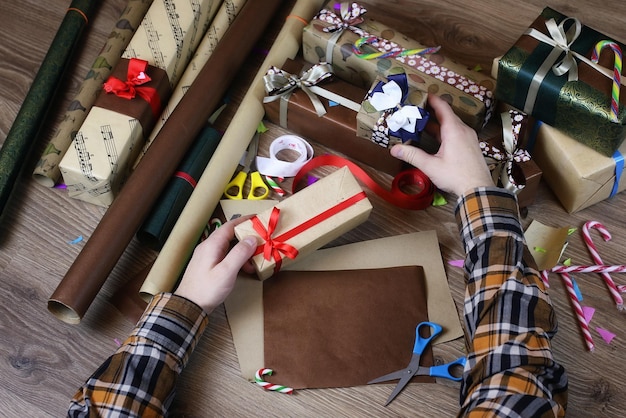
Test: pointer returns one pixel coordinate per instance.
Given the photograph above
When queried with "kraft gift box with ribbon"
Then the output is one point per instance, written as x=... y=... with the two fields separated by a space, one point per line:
x=392 y=112
x=361 y=48
x=97 y=162
x=550 y=74
x=578 y=176
x=309 y=101
x=510 y=163
x=305 y=221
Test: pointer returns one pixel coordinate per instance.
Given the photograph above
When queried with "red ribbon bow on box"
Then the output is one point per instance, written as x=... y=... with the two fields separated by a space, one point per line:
x=132 y=87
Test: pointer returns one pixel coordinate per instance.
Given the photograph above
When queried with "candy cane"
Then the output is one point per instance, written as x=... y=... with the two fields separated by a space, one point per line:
x=356 y=49
x=617 y=72
x=584 y=326
x=596 y=258
x=589 y=269
x=544 y=276
x=270 y=386
x=274 y=185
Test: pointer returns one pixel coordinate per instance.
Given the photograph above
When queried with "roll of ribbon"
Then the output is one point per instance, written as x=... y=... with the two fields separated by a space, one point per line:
x=396 y=196
x=273 y=166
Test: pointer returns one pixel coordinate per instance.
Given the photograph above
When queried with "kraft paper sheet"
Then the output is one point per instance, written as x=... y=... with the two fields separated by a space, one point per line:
x=179 y=246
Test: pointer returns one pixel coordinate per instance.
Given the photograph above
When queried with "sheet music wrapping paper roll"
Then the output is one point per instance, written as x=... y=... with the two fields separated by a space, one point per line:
x=111 y=139
x=107 y=243
x=47 y=170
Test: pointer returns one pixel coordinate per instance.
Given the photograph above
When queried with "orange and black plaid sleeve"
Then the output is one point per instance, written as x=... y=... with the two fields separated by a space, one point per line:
x=139 y=379
x=509 y=318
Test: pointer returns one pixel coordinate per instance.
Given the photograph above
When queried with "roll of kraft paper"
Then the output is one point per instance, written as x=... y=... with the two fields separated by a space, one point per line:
x=32 y=114
x=88 y=273
x=183 y=238
x=46 y=171
x=157 y=227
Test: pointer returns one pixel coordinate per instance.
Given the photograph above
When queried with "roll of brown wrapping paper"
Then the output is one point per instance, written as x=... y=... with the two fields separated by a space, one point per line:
x=46 y=171
x=82 y=282
x=32 y=114
x=183 y=238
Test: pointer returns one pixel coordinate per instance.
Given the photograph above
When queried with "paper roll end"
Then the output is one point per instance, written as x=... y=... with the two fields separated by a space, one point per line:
x=64 y=312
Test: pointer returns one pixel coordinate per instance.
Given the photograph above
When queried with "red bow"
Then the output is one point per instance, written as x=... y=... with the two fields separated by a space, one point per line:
x=273 y=248
x=129 y=89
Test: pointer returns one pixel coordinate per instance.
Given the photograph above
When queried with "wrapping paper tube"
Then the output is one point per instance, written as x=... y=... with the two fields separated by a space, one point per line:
x=223 y=19
x=157 y=227
x=203 y=201
x=47 y=171
x=81 y=284
x=32 y=114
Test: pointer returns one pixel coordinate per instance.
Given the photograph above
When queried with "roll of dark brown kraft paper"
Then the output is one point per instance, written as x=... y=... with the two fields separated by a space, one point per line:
x=90 y=269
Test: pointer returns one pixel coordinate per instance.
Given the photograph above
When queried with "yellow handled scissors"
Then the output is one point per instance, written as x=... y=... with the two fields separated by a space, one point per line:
x=258 y=188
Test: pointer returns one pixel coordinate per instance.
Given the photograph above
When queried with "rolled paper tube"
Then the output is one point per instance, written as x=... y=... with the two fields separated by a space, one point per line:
x=578 y=310
x=219 y=25
x=617 y=297
x=46 y=171
x=32 y=114
x=183 y=238
x=81 y=284
x=589 y=269
x=157 y=227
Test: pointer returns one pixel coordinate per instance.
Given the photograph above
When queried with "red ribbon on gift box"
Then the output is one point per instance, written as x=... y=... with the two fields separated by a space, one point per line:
x=136 y=76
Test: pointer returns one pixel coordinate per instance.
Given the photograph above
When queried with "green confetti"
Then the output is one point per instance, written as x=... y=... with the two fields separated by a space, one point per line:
x=540 y=250
x=261 y=128
x=571 y=231
x=477 y=68
x=567 y=262
x=439 y=200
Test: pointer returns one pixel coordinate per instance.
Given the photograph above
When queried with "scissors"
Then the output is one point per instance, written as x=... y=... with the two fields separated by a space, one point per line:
x=258 y=188
x=414 y=368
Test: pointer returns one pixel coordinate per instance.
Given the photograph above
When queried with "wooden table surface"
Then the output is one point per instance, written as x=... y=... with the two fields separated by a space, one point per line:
x=43 y=360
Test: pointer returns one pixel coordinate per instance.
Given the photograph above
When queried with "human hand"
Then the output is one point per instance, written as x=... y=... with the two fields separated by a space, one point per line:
x=212 y=270
x=459 y=166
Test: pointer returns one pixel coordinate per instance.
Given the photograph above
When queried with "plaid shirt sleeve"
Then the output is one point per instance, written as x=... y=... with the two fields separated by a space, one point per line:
x=509 y=318
x=139 y=379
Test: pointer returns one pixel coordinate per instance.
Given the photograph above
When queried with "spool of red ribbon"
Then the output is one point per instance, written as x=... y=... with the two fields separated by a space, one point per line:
x=413 y=178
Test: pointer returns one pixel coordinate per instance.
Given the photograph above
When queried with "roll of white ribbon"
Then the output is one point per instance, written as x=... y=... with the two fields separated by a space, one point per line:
x=273 y=166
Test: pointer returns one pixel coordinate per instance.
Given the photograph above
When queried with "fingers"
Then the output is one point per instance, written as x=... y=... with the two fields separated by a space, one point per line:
x=442 y=109
x=410 y=154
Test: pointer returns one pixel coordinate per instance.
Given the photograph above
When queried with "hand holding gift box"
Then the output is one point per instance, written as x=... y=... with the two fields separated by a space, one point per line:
x=392 y=109
x=548 y=74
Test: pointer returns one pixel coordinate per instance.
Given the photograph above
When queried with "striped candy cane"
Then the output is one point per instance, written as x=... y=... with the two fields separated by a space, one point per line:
x=270 y=386
x=578 y=310
x=274 y=185
x=617 y=297
x=589 y=269
x=617 y=72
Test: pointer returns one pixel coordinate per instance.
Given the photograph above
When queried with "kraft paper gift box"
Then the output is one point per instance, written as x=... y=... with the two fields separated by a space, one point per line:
x=511 y=165
x=335 y=127
x=392 y=112
x=331 y=36
x=111 y=136
x=578 y=102
x=305 y=221
x=578 y=176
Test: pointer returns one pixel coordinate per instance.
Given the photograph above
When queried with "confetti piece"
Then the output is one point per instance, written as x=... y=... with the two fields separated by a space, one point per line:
x=270 y=386
x=60 y=186
x=457 y=263
x=606 y=335
x=478 y=68
x=588 y=312
x=439 y=200
x=261 y=128
x=571 y=231
x=540 y=250
x=76 y=240
x=117 y=342
x=310 y=180
x=332 y=104
x=567 y=262
x=579 y=294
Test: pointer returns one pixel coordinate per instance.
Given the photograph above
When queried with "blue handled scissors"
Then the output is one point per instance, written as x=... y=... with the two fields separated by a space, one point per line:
x=258 y=188
x=414 y=368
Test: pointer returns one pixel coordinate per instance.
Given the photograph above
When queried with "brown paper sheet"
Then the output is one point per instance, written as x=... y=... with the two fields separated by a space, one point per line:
x=344 y=327
x=206 y=196
x=546 y=244
x=117 y=227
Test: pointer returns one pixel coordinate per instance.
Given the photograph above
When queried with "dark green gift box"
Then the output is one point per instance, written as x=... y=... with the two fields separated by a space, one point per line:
x=580 y=108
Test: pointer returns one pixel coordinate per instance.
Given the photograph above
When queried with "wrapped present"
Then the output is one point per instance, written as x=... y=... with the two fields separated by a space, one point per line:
x=97 y=162
x=510 y=164
x=392 y=112
x=550 y=73
x=312 y=104
x=578 y=176
x=361 y=48
x=306 y=221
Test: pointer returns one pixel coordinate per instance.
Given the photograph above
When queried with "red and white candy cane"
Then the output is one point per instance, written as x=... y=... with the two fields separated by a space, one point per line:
x=578 y=310
x=258 y=378
x=617 y=72
x=620 y=268
x=617 y=297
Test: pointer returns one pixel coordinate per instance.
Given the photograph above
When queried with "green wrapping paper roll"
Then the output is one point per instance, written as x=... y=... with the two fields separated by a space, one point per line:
x=32 y=114
x=157 y=227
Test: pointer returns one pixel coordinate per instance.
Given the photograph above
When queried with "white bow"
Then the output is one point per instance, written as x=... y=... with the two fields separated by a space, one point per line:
x=403 y=118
